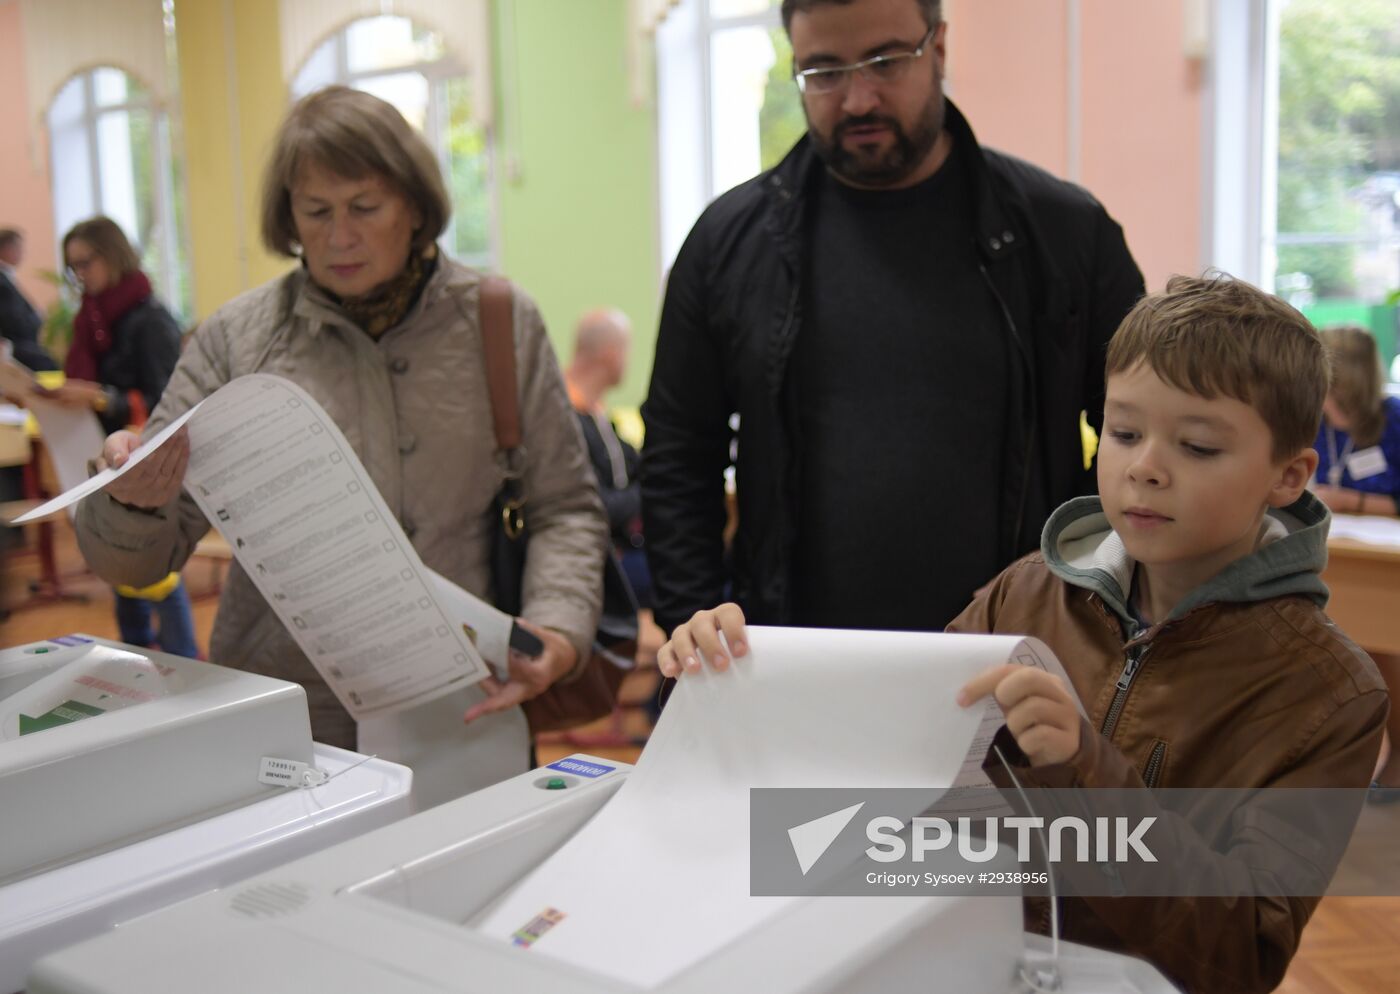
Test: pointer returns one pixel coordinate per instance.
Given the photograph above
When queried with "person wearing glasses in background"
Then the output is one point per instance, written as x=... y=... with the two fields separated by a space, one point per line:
x=125 y=346
x=908 y=326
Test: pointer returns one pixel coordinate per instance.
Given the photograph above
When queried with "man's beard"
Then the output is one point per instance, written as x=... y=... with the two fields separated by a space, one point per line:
x=891 y=165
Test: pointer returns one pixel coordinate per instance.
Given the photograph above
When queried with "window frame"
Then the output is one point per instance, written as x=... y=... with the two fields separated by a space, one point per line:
x=685 y=113
x=438 y=73
x=168 y=277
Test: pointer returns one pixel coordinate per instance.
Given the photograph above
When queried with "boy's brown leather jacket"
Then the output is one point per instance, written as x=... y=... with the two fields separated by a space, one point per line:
x=1245 y=684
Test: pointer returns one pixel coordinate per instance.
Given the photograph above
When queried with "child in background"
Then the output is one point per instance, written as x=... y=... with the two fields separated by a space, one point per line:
x=1358 y=472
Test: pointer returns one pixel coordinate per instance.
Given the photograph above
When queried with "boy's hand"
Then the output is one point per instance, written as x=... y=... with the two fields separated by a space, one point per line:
x=700 y=637
x=1039 y=710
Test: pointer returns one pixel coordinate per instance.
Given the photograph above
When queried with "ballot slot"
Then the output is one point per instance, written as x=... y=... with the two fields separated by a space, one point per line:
x=461 y=882
x=21 y=667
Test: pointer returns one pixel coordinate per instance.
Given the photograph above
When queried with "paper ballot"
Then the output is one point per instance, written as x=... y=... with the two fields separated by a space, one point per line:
x=660 y=877
x=273 y=473
x=72 y=437
x=1371 y=529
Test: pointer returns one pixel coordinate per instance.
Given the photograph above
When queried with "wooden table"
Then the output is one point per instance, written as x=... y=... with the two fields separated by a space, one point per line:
x=1365 y=584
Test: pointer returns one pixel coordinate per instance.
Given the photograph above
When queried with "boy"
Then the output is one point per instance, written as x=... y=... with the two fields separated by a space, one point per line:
x=1186 y=606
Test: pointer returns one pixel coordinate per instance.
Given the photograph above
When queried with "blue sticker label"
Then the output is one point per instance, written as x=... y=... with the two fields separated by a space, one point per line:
x=580 y=768
x=71 y=640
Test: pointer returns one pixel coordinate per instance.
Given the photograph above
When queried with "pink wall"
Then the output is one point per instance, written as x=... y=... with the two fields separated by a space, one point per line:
x=1141 y=105
x=24 y=183
x=1143 y=102
x=1007 y=70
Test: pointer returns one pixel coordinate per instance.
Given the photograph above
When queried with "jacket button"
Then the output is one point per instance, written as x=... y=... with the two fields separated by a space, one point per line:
x=996 y=244
x=1008 y=237
x=399 y=365
x=407 y=444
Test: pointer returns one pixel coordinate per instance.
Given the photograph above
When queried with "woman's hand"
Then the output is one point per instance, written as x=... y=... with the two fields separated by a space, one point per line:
x=159 y=477
x=699 y=637
x=1341 y=500
x=529 y=676
x=78 y=394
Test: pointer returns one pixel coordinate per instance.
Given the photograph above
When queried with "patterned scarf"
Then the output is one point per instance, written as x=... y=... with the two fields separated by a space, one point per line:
x=92 y=327
x=386 y=305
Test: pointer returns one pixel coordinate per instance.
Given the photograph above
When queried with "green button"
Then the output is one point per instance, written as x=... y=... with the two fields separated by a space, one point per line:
x=555 y=783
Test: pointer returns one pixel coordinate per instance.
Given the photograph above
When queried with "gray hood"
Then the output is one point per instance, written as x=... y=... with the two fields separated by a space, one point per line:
x=1083 y=550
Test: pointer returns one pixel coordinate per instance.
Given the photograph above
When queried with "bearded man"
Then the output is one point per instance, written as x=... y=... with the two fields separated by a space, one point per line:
x=908 y=327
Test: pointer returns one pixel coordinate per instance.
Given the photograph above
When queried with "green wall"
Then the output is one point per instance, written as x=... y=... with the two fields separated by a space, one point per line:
x=576 y=171
x=1380 y=318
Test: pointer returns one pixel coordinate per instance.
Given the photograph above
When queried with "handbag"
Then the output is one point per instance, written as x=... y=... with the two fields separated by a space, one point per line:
x=591 y=693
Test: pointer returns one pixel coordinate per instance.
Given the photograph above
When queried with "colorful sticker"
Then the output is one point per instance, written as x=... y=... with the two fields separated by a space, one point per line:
x=65 y=714
x=580 y=768
x=529 y=934
x=71 y=640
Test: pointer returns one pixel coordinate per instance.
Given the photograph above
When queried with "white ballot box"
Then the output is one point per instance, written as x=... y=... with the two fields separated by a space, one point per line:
x=102 y=744
x=399 y=909
x=129 y=780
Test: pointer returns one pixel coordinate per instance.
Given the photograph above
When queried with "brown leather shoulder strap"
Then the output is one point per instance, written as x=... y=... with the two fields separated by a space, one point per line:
x=498 y=343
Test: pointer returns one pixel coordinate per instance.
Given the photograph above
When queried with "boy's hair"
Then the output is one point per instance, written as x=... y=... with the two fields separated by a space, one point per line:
x=1358 y=381
x=1216 y=335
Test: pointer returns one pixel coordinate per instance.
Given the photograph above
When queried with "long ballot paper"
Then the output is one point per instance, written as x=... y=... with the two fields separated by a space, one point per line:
x=659 y=878
x=272 y=471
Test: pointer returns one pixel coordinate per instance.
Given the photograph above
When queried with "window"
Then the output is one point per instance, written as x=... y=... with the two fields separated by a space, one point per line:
x=110 y=153
x=727 y=106
x=1305 y=156
x=1334 y=247
x=410 y=67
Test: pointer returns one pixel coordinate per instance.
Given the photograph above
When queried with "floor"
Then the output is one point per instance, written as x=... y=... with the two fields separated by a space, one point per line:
x=1352 y=945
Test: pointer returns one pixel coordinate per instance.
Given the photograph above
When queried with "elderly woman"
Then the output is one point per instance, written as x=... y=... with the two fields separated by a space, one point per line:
x=382 y=330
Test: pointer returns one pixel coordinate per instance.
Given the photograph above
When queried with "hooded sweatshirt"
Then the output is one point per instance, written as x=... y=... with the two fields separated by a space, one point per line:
x=1244 y=684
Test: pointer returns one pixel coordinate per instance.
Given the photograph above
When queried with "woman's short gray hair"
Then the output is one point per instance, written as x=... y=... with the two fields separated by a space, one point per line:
x=352 y=134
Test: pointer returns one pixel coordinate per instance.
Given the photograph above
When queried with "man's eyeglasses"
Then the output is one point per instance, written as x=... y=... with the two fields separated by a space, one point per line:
x=878 y=69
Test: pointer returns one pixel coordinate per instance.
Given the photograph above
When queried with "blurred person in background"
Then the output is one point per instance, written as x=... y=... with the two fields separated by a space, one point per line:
x=602 y=339
x=1358 y=472
x=20 y=320
x=125 y=346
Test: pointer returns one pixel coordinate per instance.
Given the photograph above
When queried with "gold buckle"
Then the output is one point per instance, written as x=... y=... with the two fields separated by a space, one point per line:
x=511 y=519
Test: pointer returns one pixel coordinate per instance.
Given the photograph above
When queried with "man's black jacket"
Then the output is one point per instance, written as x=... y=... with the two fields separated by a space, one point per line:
x=1053 y=261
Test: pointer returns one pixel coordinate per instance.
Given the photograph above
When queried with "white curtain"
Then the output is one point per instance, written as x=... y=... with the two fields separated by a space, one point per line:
x=643 y=18
x=465 y=27
x=64 y=37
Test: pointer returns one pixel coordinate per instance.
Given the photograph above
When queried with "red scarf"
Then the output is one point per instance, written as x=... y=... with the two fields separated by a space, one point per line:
x=92 y=327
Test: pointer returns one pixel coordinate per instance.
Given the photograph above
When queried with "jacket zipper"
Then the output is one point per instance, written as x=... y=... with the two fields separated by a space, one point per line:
x=1125 y=681
x=1034 y=419
x=1152 y=772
